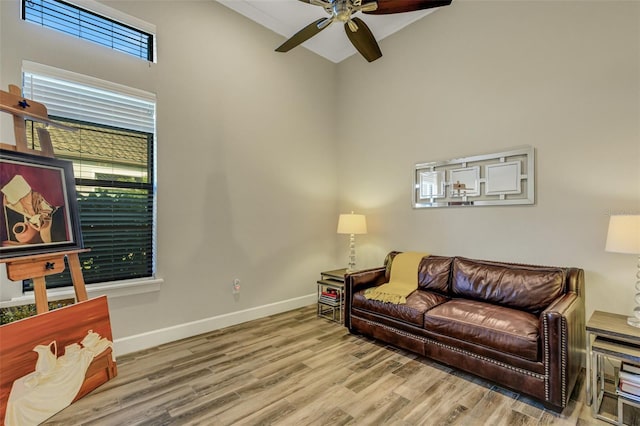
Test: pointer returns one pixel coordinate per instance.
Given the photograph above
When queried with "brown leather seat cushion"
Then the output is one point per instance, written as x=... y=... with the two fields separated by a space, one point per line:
x=504 y=329
x=412 y=312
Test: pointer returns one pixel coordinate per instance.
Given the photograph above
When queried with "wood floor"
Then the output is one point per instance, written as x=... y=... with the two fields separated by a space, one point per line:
x=297 y=369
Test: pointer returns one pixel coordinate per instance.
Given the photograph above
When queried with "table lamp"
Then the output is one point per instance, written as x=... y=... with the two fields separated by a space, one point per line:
x=352 y=224
x=624 y=237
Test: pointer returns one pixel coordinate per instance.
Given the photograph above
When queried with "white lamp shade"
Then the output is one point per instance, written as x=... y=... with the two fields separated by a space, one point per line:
x=624 y=234
x=352 y=224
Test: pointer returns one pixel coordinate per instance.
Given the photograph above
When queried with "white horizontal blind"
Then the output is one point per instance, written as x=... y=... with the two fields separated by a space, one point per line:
x=114 y=166
x=66 y=95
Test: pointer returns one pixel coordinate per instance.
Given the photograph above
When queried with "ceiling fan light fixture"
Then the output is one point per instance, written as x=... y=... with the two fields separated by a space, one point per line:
x=369 y=7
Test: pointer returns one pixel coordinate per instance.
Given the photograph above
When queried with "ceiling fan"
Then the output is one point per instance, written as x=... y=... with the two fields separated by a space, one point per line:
x=358 y=32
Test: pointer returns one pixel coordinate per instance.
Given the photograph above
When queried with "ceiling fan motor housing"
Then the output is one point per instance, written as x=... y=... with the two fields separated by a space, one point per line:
x=342 y=10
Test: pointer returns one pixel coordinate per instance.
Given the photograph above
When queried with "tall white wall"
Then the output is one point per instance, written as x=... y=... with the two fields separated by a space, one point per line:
x=258 y=151
x=246 y=172
x=479 y=77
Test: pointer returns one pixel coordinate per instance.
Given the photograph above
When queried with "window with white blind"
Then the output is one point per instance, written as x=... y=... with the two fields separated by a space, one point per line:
x=113 y=160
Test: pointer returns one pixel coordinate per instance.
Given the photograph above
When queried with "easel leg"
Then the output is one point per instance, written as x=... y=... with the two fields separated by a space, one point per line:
x=45 y=142
x=40 y=291
x=76 y=277
x=19 y=127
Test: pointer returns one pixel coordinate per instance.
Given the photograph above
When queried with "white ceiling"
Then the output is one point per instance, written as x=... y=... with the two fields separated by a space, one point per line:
x=287 y=17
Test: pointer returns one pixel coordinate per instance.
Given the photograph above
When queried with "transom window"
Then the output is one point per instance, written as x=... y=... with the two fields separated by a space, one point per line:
x=89 y=25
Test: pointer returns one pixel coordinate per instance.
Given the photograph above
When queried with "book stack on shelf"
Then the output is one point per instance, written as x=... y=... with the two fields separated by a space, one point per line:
x=629 y=382
x=330 y=296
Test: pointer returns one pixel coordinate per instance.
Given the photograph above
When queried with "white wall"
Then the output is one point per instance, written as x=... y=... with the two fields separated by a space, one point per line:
x=478 y=77
x=250 y=180
x=246 y=172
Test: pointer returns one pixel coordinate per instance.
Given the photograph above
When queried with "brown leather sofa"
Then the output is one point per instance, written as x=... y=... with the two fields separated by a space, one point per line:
x=519 y=326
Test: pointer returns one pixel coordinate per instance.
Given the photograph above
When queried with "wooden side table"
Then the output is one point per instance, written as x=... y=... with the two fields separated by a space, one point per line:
x=331 y=307
x=608 y=335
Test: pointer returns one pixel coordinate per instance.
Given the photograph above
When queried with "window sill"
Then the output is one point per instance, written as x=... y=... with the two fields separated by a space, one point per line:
x=111 y=290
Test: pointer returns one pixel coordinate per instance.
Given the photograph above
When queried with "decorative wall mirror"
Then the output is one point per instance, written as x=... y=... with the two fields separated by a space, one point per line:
x=501 y=178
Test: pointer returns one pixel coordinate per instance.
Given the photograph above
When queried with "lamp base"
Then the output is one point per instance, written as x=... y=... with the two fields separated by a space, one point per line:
x=633 y=321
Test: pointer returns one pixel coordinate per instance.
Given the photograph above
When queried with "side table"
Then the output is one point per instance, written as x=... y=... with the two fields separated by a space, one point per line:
x=608 y=336
x=331 y=294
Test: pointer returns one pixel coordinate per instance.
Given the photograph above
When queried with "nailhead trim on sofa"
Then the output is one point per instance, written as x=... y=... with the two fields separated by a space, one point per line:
x=545 y=326
x=462 y=351
x=563 y=358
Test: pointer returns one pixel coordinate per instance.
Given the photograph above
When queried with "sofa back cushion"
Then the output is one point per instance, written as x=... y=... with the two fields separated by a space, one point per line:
x=388 y=261
x=434 y=272
x=529 y=288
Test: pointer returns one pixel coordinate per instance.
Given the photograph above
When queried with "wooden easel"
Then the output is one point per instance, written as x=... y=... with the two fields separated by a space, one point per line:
x=38 y=266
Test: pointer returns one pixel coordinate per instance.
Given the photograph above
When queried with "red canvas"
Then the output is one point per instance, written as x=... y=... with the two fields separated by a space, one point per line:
x=52 y=359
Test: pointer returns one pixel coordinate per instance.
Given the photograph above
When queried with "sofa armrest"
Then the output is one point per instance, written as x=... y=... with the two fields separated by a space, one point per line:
x=359 y=280
x=563 y=345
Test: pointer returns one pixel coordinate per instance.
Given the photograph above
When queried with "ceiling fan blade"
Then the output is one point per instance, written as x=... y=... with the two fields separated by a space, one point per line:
x=303 y=35
x=363 y=40
x=386 y=7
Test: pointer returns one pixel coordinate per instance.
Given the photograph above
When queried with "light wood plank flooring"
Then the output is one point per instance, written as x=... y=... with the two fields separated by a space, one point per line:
x=296 y=369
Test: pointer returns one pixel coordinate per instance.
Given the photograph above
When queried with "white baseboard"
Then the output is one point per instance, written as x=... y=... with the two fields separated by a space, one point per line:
x=153 y=338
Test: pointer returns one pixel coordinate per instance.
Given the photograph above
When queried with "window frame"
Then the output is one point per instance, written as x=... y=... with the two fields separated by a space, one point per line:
x=30 y=68
x=115 y=16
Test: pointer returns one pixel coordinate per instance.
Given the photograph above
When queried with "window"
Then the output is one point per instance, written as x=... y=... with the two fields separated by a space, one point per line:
x=113 y=157
x=92 y=25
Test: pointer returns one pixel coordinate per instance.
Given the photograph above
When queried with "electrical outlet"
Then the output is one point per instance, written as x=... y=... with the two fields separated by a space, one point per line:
x=236 y=286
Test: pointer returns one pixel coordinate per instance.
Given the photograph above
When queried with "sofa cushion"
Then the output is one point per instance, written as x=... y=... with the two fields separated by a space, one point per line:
x=531 y=288
x=412 y=312
x=504 y=329
x=388 y=261
x=433 y=273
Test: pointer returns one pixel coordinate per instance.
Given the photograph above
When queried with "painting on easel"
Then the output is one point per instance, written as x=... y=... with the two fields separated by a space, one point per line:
x=53 y=359
x=39 y=212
